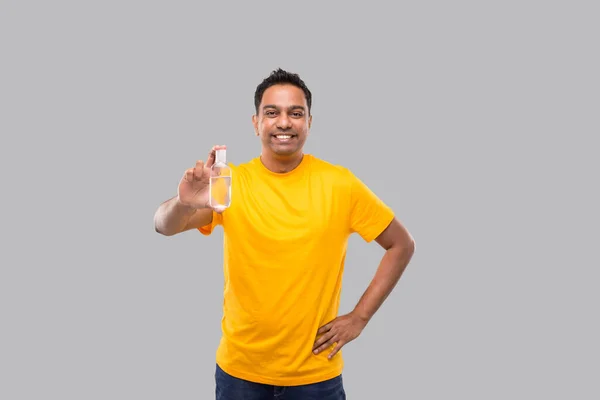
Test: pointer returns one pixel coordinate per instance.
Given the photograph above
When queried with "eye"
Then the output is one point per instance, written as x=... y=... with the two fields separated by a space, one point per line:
x=269 y=113
x=297 y=114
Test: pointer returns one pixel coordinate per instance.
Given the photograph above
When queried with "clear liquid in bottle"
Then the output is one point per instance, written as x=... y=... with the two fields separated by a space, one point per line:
x=220 y=183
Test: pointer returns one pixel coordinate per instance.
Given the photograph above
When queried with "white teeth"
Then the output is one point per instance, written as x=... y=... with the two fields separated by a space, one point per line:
x=284 y=136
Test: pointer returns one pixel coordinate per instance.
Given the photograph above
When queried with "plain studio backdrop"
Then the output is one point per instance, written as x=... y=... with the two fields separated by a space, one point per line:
x=478 y=124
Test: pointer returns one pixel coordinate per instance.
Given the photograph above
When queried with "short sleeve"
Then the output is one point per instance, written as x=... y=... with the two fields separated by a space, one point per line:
x=369 y=215
x=217 y=219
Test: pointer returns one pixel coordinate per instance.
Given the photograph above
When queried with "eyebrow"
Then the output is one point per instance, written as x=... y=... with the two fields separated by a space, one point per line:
x=294 y=107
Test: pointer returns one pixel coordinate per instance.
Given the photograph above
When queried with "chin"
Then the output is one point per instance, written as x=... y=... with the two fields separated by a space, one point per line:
x=286 y=151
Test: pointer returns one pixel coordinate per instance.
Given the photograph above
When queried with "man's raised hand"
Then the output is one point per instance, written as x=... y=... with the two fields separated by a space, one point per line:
x=193 y=190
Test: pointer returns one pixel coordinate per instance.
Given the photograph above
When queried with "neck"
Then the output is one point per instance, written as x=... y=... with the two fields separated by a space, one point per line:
x=279 y=164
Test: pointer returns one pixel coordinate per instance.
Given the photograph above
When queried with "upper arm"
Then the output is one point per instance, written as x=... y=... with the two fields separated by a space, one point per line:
x=396 y=235
x=206 y=225
x=375 y=220
x=201 y=218
x=369 y=215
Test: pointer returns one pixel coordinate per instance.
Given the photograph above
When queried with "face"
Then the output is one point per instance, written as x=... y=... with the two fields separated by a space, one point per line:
x=282 y=122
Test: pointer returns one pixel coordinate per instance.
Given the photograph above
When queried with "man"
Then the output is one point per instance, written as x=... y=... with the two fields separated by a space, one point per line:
x=285 y=238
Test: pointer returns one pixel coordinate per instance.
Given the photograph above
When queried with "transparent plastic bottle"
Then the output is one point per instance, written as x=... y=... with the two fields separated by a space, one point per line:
x=220 y=183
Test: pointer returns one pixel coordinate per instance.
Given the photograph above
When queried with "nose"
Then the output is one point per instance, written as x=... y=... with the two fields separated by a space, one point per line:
x=284 y=122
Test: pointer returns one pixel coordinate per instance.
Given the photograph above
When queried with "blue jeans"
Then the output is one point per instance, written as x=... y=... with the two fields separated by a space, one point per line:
x=231 y=388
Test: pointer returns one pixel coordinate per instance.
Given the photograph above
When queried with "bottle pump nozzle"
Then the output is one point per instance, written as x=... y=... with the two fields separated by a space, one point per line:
x=220 y=156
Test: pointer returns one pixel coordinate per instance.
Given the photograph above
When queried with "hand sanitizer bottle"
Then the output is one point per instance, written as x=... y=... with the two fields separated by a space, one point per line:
x=220 y=183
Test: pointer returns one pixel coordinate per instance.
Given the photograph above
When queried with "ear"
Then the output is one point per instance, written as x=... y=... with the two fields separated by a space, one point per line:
x=255 y=124
x=309 y=121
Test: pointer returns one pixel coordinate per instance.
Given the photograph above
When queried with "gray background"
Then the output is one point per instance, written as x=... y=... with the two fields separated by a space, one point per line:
x=476 y=121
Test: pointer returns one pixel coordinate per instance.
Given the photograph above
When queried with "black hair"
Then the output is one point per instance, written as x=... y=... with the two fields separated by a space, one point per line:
x=281 y=77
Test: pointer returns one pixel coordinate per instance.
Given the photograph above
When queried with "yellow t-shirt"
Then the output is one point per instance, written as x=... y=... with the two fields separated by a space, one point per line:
x=285 y=238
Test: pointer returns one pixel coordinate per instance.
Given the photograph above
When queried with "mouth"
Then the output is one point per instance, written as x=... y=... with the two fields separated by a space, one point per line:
x=283 y=137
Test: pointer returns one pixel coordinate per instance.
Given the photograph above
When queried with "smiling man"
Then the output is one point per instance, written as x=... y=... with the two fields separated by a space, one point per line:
x=285 y=240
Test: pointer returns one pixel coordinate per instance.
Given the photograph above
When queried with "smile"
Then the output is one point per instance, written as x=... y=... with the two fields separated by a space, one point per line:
x=284 y=137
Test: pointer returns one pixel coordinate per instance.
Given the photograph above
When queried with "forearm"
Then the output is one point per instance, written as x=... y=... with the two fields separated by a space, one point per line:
x=388 y=274
x=172 y=217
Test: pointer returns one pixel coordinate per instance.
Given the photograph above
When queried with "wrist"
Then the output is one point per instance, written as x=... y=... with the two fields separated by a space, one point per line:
x=185 y=208
x=362 y=316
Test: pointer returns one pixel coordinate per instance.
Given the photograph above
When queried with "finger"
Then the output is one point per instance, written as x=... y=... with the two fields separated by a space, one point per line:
x=337 y=348
x=326 y=345
x=325 y=328
x=212 y=155
x=210 y=160
x=198 y=170
x=189 y=175
x=326 y=337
